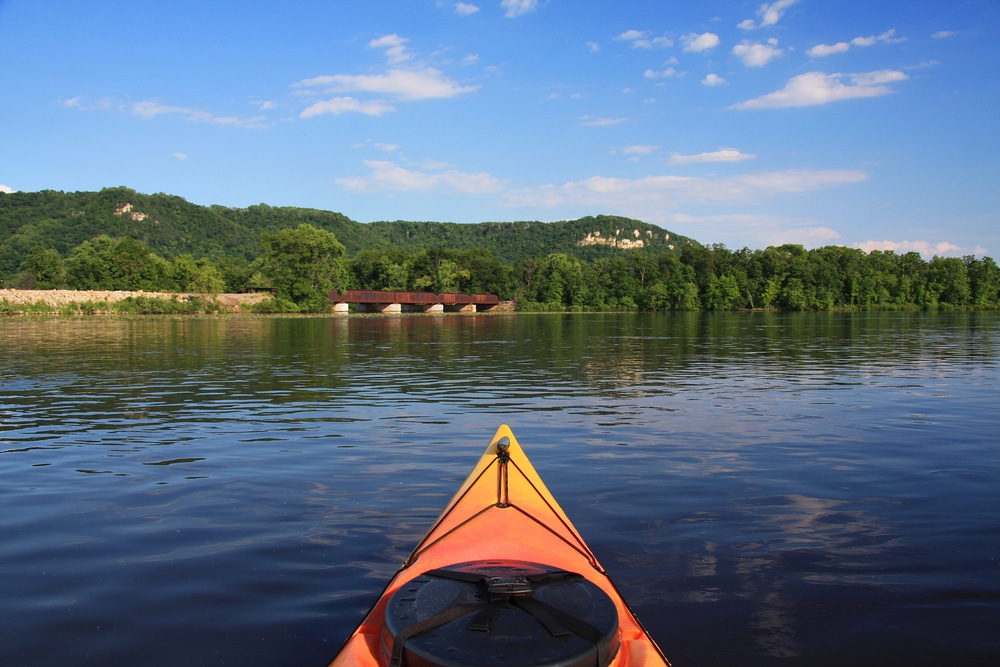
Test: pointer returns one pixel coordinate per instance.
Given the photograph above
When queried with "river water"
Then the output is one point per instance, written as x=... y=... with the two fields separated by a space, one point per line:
x=814 y=489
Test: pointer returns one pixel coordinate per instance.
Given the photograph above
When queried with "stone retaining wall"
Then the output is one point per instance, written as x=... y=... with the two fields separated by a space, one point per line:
x=60 y=297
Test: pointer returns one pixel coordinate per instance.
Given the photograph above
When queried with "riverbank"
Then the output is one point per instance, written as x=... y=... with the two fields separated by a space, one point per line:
x=18 y=301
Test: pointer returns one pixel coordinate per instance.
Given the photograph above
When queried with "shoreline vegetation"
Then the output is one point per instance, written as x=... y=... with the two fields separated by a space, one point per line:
x=175 y=258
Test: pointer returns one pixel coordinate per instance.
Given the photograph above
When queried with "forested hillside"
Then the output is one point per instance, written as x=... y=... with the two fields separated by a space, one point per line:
x=117 y=239
x=171 y=226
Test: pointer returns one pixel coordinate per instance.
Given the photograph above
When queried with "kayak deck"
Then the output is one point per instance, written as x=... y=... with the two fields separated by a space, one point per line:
x=503 y=513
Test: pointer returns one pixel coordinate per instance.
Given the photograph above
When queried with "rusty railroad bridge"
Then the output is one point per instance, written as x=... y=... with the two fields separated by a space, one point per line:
x=385 y=301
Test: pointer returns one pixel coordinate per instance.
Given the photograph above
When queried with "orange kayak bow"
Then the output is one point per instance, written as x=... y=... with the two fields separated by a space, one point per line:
x=501 y=578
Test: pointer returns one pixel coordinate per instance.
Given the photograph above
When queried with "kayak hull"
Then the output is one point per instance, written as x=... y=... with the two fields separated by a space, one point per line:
x=503 y=512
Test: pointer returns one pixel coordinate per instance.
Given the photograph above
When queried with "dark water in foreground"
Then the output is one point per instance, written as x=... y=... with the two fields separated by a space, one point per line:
x=815 y=489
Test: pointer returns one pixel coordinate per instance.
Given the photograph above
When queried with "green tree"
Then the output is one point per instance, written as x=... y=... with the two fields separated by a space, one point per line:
x=115 y=264
x=187 y=274
x=43 y=268
x=984 y=281
x=303 y=264
x=949 y=278
x=723 y=293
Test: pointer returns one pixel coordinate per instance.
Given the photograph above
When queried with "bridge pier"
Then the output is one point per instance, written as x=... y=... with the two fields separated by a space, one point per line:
x=379 y=308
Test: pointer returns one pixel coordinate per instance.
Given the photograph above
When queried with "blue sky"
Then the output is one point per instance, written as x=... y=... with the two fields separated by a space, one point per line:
x=820 y=122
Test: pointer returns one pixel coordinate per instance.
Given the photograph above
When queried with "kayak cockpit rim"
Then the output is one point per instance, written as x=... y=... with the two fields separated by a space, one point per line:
x=502 y=460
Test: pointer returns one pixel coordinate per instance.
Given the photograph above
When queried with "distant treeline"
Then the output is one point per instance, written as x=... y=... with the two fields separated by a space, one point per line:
x=300 y=262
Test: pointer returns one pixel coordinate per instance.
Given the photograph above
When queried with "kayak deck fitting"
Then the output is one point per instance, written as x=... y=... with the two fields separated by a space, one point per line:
x=501 y=578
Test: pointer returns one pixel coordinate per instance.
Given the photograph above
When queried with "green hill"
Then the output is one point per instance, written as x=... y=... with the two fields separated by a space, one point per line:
x=171 y=226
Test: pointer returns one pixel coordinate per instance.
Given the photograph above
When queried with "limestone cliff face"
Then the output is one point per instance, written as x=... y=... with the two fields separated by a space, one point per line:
x=126 y=209
x=622 y=239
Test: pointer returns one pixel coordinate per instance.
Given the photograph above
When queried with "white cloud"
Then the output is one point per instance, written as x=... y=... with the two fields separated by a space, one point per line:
x=944 y=34
x=6 y=189
x=515 y=8
x=713 y=80
x=823 y=50
x=395 y=48
x=389 y=176
x=925 y=248
x=813 y=88
x=339 y=105
x=594 y=47
x=419 y=84
x=756 y=54
x=769 y=13
x=465 y=8
x=721 y=155
x=600 y=122
x=668 y=73
x=659 y=193
x=887 y=37
x=469 y=59
x=697 y=43
x=179 y=155
x=640 y=39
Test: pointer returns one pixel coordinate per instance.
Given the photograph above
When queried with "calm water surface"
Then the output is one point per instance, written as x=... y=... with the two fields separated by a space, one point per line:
x=814 y=489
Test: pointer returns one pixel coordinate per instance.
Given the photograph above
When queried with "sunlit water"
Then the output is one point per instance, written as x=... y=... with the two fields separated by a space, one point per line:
x=818 y=489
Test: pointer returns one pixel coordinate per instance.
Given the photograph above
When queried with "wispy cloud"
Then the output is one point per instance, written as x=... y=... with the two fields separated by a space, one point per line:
x=925 y=248
x=944 y=34
x=765 y=229
x=670 y=191
x=667 y=73
x=339 y=105
x=694 y=43
x=598 y=121
x=180 y=156
x=769 y=13
x=636 y=152
x=264 y=105
x=814 y=88
x=641 y=39
x=639 y=149
x=465 y=9
x=823 y=50
x=150 y=109
x=721 y=155
x=389 y=176
x=514 y=8
x=713 y=80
